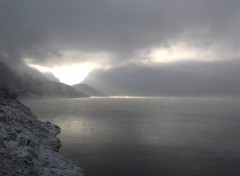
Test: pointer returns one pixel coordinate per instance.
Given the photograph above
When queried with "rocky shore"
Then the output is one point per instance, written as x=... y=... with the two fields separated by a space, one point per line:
x=29 y=146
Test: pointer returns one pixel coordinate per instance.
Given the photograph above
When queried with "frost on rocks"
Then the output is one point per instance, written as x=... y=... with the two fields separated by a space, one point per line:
x=29 y=146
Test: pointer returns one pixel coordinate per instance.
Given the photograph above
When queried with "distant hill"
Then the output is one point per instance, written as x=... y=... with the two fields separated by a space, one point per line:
x=24 y=84
x=21 y=68
x=88 y=90
x=51 y=77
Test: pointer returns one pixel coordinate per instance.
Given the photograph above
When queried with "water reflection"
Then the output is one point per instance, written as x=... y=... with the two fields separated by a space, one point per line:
x=161 y=136
x=72 y=125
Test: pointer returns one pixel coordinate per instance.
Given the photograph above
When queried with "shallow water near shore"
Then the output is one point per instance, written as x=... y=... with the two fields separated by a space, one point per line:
x=147 y=136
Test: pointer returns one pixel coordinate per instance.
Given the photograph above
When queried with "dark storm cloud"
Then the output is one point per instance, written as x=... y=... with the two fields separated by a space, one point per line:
x=46 y=28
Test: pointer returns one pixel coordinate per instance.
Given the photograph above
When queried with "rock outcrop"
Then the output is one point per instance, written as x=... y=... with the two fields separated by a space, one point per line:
x=29 y=146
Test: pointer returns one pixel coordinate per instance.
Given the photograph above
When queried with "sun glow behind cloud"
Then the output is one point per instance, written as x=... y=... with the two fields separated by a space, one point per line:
x=69 y=74
x=73 y=74
x=74 y=66
x=179 y=52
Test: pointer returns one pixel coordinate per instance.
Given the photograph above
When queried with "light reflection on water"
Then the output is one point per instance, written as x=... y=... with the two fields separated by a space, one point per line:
x=154 y=136
x=73 y=125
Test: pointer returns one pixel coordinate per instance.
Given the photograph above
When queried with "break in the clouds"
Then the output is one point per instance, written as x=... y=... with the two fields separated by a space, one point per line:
x=112 y=31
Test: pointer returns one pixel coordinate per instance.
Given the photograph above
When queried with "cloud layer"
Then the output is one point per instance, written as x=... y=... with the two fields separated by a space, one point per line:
x=44 y=30
x=178 y=79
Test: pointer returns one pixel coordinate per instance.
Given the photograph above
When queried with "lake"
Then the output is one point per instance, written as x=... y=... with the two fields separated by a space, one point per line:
x=147 y=136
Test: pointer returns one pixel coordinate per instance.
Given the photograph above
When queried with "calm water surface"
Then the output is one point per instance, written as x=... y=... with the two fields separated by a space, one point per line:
x=147 y=136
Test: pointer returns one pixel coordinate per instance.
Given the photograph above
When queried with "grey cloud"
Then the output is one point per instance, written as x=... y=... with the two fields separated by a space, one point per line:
x=179 y=79
x=40 y=29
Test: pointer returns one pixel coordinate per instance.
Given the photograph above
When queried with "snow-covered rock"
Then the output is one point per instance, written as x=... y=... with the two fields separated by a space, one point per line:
x=29 y=146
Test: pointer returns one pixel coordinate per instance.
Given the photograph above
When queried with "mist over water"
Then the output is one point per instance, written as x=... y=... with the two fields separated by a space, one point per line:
x=147 y=136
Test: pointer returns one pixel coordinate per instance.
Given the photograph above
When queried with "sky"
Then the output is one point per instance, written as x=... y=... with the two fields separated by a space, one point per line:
x=74 y=38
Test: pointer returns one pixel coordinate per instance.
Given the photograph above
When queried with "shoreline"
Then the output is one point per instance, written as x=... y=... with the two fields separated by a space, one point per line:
x=29 y=146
